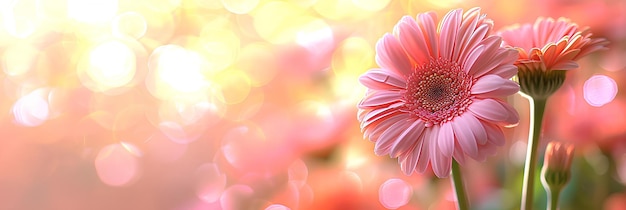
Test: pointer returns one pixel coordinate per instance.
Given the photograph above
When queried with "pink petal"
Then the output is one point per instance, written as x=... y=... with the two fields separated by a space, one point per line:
x=489 y=58
x=490 y=110
x=379 y=98
x=446 y=139
x=391 y=136
x=466 y=31
x=472 y=57
x=513 y=116
x=465 y=136
x=449 y=27
x=426 y=22
x=374 y=133
x=390 y=55
x=410 y=161
x=424 y=154
x=565 y=65
x=458 y=154
x=495 y=134
x=380 y=79
x=408 y=138
x=376 y=115
x=485 y=151
x=505 y=71
x=476 y=126
x=440 y=163
x=492 y=86
x=413 y=40
x=472 y=41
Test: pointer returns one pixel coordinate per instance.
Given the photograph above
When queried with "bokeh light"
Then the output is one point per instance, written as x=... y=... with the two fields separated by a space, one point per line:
x=599 y=90
x=92 y=11
x=395 y=193
x=32 y=109
x=117 y=164
x=130 y=24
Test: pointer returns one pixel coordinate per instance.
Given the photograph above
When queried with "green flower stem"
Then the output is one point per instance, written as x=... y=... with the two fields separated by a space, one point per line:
x=459 y=189
x=553 y=199
x=538 y=106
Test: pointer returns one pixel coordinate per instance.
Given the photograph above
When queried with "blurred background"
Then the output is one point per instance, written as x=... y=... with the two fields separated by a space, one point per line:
x=251 y=104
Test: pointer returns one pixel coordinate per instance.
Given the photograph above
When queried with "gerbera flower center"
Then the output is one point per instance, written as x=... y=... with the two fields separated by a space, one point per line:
x=438 y=91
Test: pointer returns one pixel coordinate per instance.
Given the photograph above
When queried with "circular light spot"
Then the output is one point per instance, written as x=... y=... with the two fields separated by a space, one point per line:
x=130 y=24
x=599 y=90
x=19 y=59
x=175 y=70
x=394 y=193
x=210 y=182
x=20 y=18
x=190 y=111
x=352 y=179
x=316 y=36
x=277 y=21
x=92 y=11
x=240 y=6
x=235 y=196
x=277 y=207
x=219 y=46
x=517 y=153
x=235 y=86
x=298 y=173
x=110 y=65
x=116 y=166
x=32 y=109
x=243 y=146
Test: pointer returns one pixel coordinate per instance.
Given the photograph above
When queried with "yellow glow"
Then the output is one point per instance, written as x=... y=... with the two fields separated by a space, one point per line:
x=92 y=11
x=235 y=85
x=240 y=6
x=111 y=64
x=130 y=24
x=52 y=10
x=19 y=17
x=339 y=9
x=180 y=69
x=187 y=111
x=315 y=35
x=162 y=6
x=209 y=4
x=353 y=56
x=259 y=62
x=371 y=5
x=275 y=21
x=219 y=47
x=18 y=59
x=445 y=3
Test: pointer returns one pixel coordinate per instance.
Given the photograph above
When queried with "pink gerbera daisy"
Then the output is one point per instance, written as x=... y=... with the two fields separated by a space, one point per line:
x=437 y=95
x=551 y=44
x=546 y=49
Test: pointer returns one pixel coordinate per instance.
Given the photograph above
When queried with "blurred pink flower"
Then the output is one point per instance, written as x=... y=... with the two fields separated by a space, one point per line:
x=436 y=96
x=551 y=44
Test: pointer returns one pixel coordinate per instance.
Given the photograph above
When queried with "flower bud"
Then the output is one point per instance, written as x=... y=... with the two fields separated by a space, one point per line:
x=556 y=166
